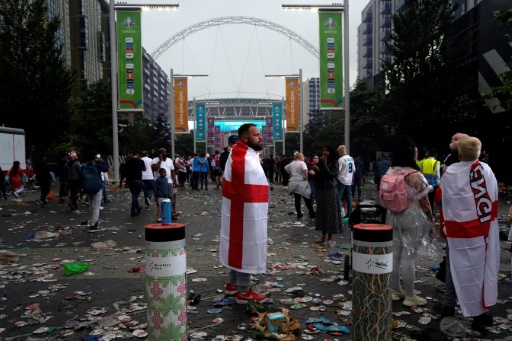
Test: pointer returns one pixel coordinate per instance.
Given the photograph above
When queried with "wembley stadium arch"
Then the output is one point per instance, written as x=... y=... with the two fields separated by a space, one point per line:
x=224 y=116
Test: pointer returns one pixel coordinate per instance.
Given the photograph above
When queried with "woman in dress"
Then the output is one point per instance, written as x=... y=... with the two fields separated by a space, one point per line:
x=410 y=227
x=328 y=206
x=16 y=179
x=299 y=184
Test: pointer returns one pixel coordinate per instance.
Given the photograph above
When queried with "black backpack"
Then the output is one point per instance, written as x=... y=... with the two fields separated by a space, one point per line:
x=90 y=179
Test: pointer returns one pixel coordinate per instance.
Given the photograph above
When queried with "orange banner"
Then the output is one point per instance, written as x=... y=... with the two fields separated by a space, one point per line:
x=292 y=105
x=180 y=105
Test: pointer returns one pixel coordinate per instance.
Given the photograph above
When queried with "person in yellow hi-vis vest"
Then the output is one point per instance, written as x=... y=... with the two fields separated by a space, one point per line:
x=431 y=169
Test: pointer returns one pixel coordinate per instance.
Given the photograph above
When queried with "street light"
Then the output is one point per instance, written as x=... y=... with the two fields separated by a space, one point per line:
x=301 y=110
x=171 y=106
x=113 y=70
x=346 y=63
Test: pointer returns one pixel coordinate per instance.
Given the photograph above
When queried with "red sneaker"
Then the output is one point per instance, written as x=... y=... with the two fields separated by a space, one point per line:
x=250 y=296
x=230 y=289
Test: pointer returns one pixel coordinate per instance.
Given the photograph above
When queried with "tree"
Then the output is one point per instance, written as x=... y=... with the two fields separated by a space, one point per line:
x=368 y=126
x=425 y=83
x=504 y=92
x=91 y=123
x=36 y=84
x=162 y=131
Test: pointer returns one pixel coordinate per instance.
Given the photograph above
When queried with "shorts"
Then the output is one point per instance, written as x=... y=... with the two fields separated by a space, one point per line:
x=217 y=172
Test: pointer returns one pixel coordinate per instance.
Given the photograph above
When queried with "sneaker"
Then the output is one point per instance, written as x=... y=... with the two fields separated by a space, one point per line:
x=159 y=220
x=397 y=295
x=73 y=207
x=16 y=195
x=85 y=222
x=250 y=296
x=147 y=202
x=414 y=301
x=230 y=289
x=94 y=228
x=40 y=202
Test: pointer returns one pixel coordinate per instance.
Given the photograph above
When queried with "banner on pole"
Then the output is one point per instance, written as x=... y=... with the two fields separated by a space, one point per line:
x=277 y=121
x=200 y=121
x=292 y=104
x=331 y=60
x=181 y=105
x=129 y=60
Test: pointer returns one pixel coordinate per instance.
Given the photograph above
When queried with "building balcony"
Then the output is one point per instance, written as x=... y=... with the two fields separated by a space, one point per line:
x=367 y=17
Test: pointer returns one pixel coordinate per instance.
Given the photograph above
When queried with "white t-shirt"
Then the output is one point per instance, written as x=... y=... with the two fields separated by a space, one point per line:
x=148 y=173
x=346 y=169
x=296 y=169
x=168 y=165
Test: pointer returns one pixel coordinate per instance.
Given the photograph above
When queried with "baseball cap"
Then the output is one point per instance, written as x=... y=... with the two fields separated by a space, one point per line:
x=232 y=139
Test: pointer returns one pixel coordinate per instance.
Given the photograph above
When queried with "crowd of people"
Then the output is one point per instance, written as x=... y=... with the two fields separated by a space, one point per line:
x=462 y=188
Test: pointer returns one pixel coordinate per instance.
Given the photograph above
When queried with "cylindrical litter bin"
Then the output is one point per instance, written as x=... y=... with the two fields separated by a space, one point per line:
x=166 y=282
x=372 y=263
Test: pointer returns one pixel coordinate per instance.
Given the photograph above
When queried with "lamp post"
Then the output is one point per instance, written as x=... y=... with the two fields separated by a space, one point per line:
x=346 y=62
x=113 y=69
x=171 y=106
x=301 y=110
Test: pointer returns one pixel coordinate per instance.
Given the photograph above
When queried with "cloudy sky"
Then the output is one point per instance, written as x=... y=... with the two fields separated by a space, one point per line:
x=238 y=56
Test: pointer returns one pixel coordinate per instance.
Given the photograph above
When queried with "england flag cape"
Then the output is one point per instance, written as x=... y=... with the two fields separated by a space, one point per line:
x=470 y=209
x=243 y=235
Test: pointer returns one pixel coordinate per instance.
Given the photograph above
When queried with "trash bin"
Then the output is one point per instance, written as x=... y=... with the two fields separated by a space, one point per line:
x=166 y=283
x=372 y=263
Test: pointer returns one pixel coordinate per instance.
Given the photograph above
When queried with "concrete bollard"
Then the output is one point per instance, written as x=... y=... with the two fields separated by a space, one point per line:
x=372 y=263
x=166 y=282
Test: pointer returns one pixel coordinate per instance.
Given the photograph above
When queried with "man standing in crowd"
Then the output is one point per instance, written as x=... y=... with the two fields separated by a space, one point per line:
x=346 y=170
x=147 y=178
x=162 y=161
x=134 y=168
x=359 y=177
x=61 y=173
x=90 y=183
x=73 y=179
x=217 y=172
x=44 y=179
x=470 y=201
x=430 y=167
x=243 y=238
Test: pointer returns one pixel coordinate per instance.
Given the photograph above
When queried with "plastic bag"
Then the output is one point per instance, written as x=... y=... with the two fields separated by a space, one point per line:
x=75 y=268
x=452 y=326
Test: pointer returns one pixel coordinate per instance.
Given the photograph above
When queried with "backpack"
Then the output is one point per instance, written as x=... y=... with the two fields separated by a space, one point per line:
x=392 y=192
x=90 y=179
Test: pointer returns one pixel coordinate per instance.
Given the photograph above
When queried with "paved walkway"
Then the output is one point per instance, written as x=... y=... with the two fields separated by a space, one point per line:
x=73 y=306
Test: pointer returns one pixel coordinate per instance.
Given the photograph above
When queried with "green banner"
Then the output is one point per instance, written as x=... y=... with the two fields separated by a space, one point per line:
x=331 y=59
x=129 y=60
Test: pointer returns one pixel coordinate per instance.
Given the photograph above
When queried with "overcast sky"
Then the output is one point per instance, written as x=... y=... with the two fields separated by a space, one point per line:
x=237 y=57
